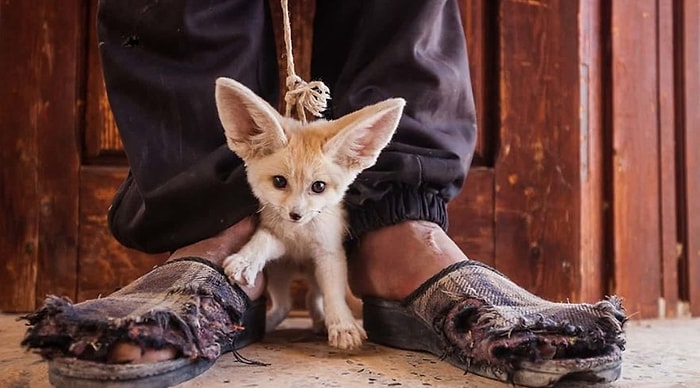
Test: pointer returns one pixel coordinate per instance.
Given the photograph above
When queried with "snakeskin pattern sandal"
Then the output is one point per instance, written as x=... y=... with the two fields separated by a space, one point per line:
x=480 y=321
x=187 y=304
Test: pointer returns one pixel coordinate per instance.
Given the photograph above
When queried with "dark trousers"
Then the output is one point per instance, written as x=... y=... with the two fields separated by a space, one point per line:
x=160 y=60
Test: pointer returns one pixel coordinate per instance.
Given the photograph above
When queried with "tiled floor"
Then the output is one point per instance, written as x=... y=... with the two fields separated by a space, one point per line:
x=660 y=353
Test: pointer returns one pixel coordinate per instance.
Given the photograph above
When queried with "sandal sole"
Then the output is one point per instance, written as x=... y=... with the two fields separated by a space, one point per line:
x=389 y=323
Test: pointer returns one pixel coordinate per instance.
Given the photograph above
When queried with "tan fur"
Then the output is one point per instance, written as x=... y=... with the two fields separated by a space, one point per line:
x=302 y=231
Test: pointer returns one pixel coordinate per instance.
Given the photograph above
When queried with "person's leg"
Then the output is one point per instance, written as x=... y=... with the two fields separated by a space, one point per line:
x=160 y=62
x=419 y=290
x=372 y=50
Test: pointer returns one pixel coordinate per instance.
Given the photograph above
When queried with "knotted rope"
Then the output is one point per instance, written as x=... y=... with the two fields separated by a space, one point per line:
x=302 y=96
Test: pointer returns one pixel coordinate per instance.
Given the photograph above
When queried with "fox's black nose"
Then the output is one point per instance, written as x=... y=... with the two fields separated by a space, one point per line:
x=294 y=216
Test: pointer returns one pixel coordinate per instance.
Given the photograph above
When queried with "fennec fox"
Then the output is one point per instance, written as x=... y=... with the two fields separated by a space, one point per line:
x=300 y=173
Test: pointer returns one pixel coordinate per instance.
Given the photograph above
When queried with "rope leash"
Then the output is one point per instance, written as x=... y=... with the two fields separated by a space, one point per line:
x=301 y=95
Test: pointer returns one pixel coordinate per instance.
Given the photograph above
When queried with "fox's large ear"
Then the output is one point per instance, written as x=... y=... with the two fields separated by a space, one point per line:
x=251 y=125
x=364 y=133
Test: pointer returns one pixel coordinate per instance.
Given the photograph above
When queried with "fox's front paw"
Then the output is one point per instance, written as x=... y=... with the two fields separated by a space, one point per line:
x=242 y=269
x=345 y=334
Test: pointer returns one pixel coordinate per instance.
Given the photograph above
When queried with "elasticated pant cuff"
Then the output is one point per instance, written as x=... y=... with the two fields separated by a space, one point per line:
x=397 y=206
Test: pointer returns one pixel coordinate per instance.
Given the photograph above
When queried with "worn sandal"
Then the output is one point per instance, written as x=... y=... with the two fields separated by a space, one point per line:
x=187 y=304
x=480 y=321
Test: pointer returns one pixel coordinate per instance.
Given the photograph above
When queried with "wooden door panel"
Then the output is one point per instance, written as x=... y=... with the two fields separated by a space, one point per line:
x=480 y=19
x=634 y=119
x=538 y=165
x=687 y=22
x=471 y=216
x=668 y=205
x=41 y=46
x=104 y=264
x=101 y=142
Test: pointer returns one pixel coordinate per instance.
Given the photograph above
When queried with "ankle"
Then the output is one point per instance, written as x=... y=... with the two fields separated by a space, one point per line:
x=217 y=248
x=393 y=261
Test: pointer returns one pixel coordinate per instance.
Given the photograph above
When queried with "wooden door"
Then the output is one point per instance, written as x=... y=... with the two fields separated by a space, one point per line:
x=61 y=160
x=552 y=198
x=520 y=210
x=532 y=203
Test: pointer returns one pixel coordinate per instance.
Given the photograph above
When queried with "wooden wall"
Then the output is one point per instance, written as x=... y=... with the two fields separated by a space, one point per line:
x=687 y=75
x=651 y=110
x=41 y=73
x=585 y=181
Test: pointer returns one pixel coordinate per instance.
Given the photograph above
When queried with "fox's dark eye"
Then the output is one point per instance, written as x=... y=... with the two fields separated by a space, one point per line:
x=318 y=187
x=279 y=181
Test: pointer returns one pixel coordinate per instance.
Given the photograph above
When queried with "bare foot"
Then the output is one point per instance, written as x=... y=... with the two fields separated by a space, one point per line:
x=215 y=250
x=393 y=261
